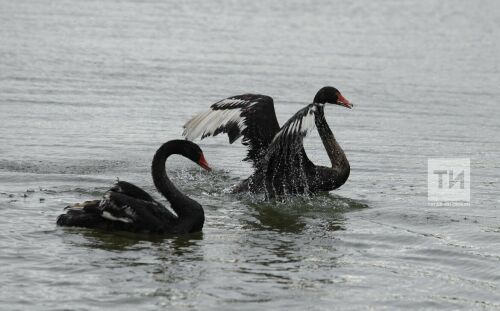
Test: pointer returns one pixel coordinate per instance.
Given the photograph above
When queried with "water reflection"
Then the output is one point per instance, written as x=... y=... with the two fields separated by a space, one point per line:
x=168 y=267
x=269 y=217
x=293 y=215
x=123 y=241
x=183 y=244
x=288 y=241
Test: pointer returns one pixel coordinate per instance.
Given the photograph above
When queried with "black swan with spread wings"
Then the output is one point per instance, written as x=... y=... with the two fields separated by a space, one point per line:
x=277 y=153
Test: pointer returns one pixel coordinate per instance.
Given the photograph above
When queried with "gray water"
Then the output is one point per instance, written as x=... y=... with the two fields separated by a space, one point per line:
x=90 y=89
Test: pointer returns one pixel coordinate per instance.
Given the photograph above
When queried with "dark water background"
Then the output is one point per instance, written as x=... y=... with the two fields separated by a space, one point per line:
x=90 y=89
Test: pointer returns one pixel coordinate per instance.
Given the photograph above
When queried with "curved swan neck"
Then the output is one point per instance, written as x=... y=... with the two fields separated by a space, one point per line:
x=333 y=149
x=180 y=203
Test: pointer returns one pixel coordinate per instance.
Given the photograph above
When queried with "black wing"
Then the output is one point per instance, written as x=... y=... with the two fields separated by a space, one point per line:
x=131 y=190
x=286 y=162
x=123 y=207
x=292 y=133
x=140 y=214
x=250 y=115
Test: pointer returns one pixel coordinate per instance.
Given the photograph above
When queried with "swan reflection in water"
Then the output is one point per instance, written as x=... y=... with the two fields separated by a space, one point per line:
x=293 y=214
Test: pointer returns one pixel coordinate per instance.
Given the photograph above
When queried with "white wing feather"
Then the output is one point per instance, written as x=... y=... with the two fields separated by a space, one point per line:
x=206 y=123
x=304 y=125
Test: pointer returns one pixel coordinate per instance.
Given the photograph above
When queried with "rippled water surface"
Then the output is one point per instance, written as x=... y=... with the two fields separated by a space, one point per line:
x=90 y=89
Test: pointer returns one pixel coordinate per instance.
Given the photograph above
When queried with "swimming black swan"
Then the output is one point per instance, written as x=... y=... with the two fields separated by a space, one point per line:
x=126 y=207
x=278 y=156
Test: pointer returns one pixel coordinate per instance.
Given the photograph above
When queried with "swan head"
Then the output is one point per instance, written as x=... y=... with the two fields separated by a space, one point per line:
x=193 y=152
x=331 y=95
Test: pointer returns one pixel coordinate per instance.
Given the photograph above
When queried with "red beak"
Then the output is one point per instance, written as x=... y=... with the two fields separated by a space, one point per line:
x=341 y=100
x=203 y=163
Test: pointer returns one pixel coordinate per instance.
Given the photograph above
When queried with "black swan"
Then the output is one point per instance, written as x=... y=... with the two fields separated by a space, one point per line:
x=126 y=207
x=277 y=154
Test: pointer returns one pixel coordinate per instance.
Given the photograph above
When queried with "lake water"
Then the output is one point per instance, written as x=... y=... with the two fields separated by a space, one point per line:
x=90 y=89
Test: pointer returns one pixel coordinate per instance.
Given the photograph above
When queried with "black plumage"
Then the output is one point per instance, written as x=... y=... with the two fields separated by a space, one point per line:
x=277 y=153
x=126 y=207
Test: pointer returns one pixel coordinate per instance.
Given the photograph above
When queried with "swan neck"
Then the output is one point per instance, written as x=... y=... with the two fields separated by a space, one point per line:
x=180 y=203
x=335 y=153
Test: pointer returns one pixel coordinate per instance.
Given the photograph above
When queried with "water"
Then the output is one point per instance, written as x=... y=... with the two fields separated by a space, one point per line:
x=90 y=89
